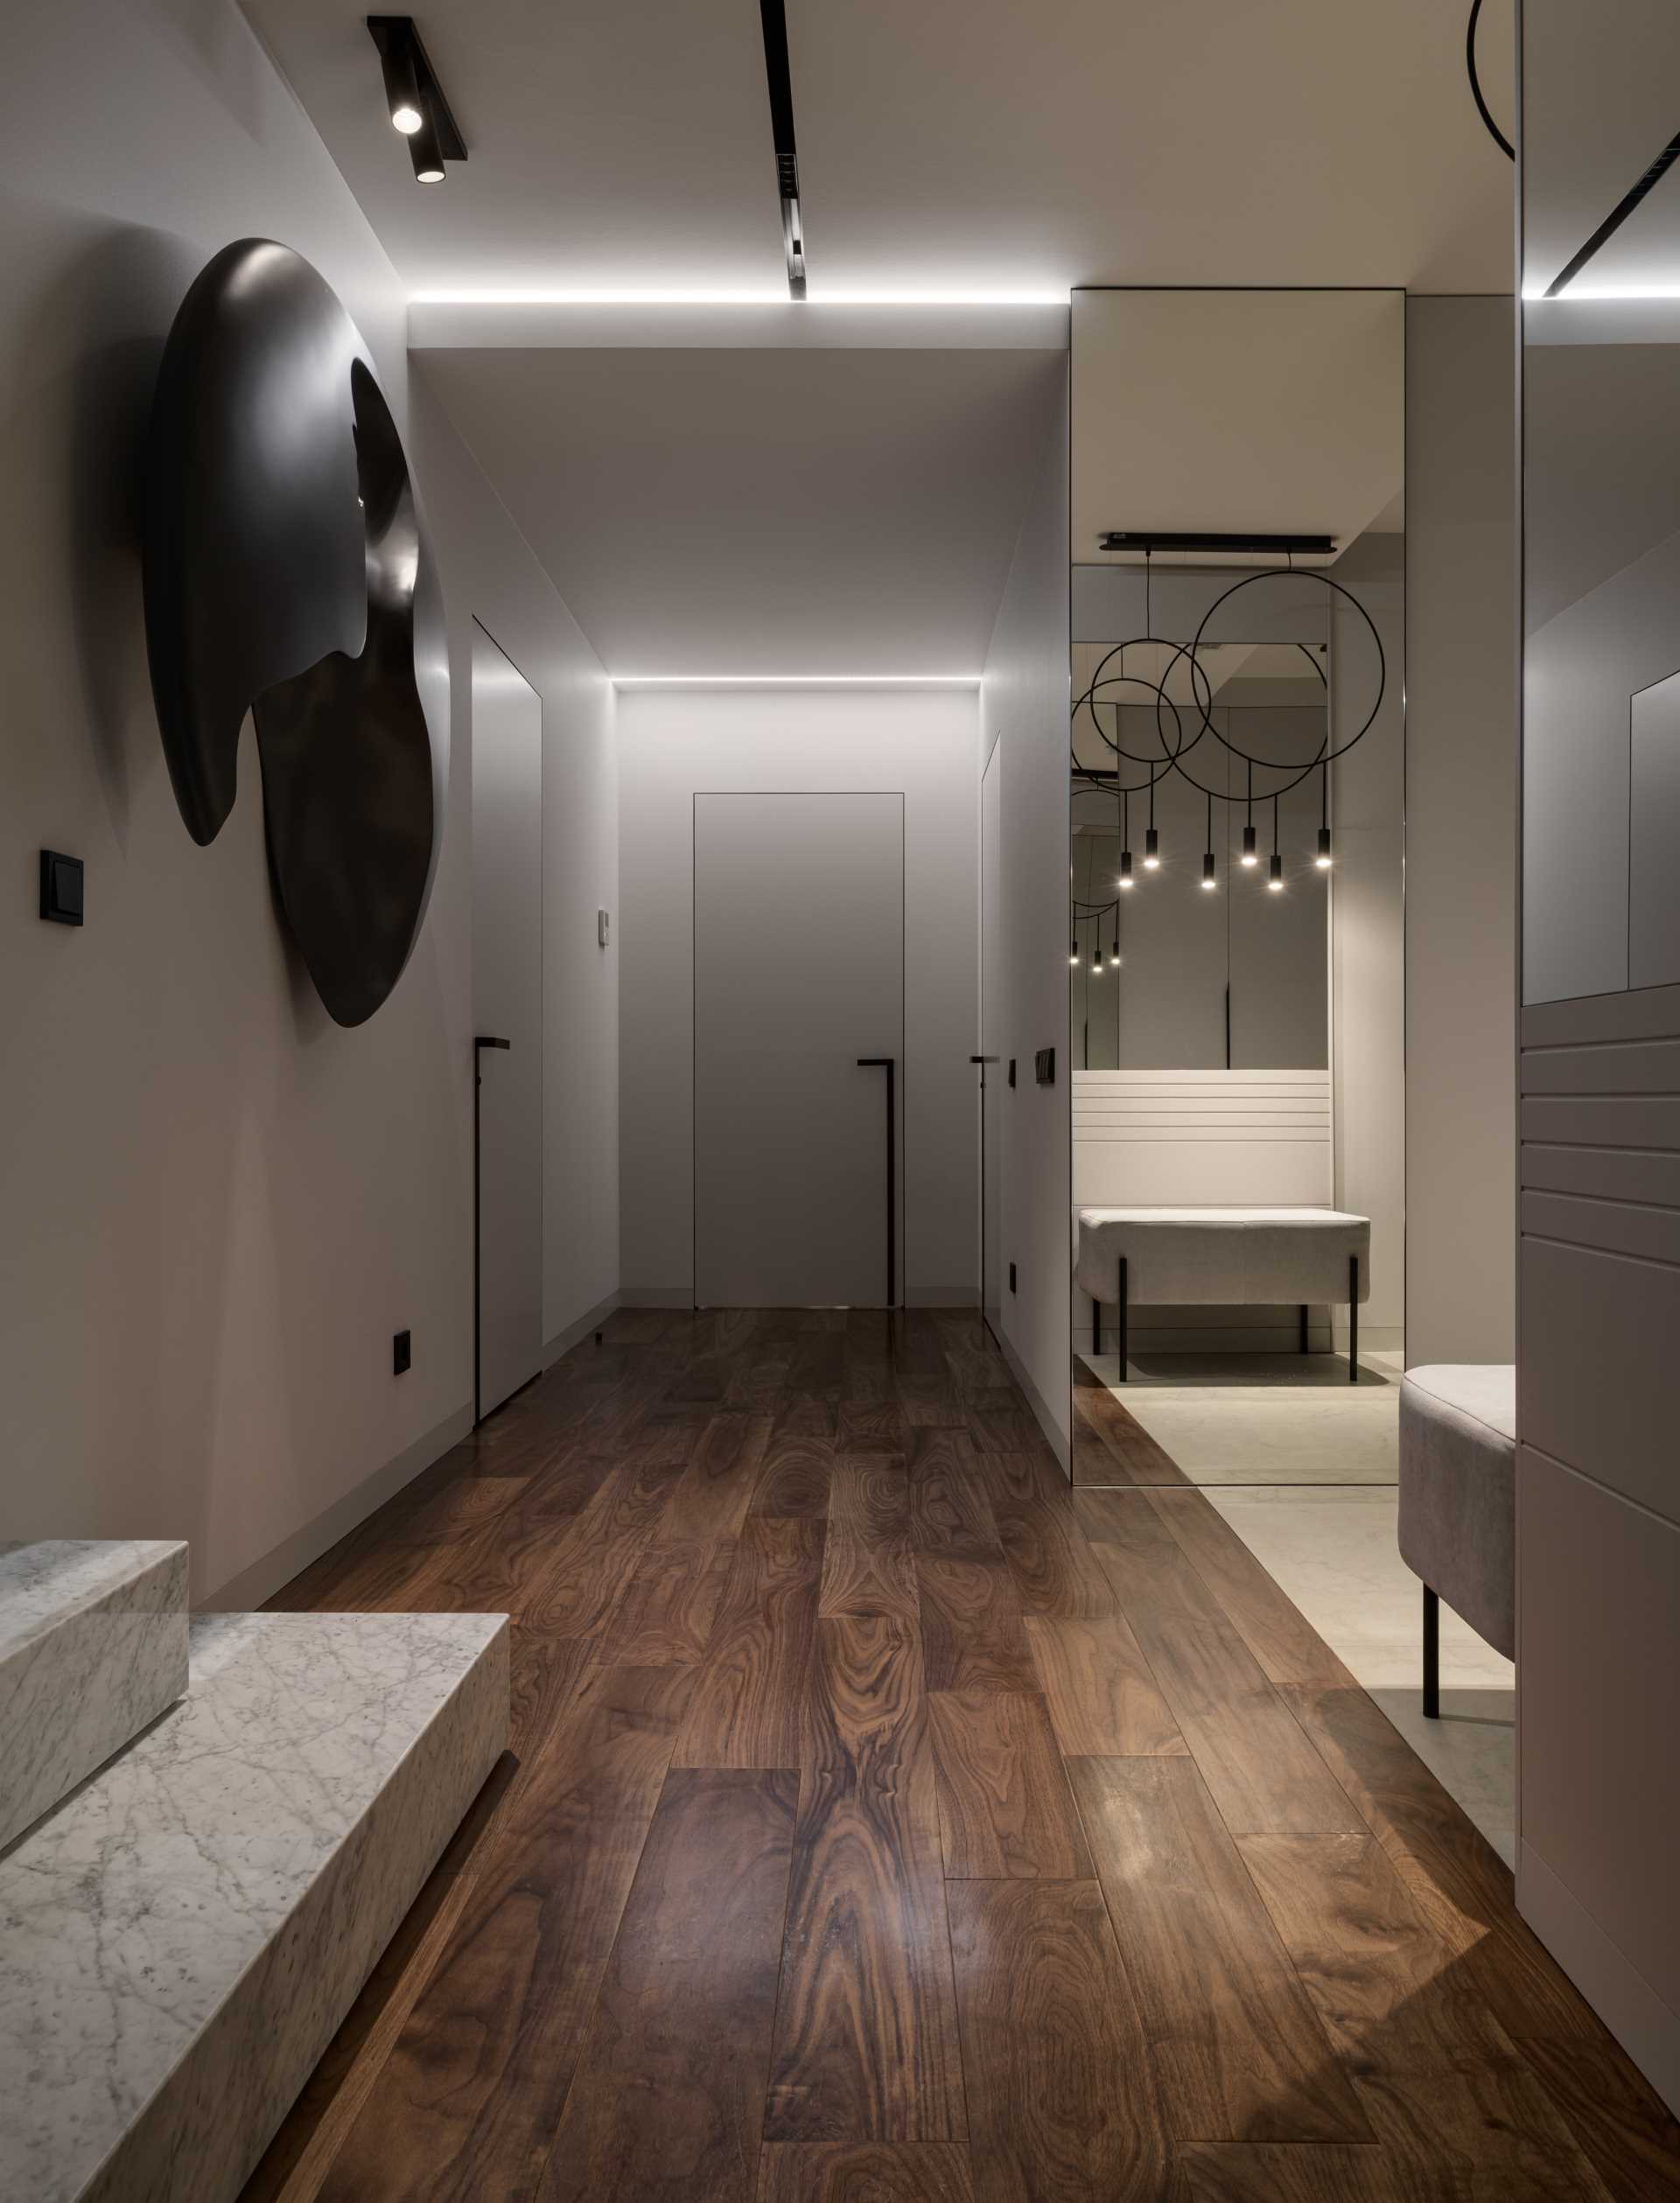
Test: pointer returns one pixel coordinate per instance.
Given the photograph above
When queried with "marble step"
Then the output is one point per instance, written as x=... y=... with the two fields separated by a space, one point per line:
x=93 y=1647
x=180 y=1941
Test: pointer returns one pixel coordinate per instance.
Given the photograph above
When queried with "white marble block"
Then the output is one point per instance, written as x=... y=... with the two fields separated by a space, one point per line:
x=179 y=1943
x=93 y=1645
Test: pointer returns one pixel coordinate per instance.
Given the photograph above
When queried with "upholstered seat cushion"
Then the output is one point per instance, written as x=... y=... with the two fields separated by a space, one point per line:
x=1223 y=1257
x=1457 y=1491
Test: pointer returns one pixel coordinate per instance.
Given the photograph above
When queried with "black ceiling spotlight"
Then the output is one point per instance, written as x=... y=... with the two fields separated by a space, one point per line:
x=414 y=99
x=778 y=76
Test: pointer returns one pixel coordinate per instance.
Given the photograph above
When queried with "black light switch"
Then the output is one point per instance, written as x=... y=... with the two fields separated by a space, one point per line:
x=400 y=1356
x=60 y=888
x=1012 y=1070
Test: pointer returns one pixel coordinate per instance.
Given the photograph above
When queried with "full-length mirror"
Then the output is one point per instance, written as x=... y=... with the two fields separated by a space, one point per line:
x=1235 y=922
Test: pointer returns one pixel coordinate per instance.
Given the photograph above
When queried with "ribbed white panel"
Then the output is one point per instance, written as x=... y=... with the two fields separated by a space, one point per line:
x=1241 y=1137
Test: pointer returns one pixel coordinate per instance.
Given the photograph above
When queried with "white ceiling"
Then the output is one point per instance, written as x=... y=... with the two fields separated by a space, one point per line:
x=780 y=506
x=946 y=146
x=779 y=511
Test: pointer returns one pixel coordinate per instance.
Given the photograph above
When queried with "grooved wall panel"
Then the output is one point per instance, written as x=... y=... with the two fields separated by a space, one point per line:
x=1236 y=1136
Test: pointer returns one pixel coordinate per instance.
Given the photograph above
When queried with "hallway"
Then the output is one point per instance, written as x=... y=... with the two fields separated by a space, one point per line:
x=889 y=1821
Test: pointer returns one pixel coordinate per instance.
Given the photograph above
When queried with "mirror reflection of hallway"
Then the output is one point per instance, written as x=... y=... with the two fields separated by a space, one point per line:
x=798 y=974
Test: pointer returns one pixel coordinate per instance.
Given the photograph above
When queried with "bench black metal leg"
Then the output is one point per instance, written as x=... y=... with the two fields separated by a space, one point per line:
x=1122 y=1320
x=1097 y=1325
x=1353 y=1319
x=1431 y=1655
x=1302 y=1326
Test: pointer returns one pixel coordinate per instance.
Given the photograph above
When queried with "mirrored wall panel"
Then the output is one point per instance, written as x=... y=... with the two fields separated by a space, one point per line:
x=1236 y=887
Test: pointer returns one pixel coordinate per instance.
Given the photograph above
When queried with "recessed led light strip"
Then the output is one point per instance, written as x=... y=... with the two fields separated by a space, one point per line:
x=794 y=680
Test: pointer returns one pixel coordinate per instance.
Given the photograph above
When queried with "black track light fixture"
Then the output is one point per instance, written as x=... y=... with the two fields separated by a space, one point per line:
x=414 y=98
x=772 y=22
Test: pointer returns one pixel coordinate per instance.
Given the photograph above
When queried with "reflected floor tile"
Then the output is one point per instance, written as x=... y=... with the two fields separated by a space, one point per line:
x=1271 y=1434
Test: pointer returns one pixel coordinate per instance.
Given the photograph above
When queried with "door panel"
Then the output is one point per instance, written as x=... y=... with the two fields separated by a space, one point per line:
x=993 y=1075
x=507 y=1006
x=798 y=971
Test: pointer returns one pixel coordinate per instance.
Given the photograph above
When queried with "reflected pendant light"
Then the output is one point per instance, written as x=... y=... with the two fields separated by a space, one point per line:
x=1250 y=854
x=1275 y=874
x=1209 y=863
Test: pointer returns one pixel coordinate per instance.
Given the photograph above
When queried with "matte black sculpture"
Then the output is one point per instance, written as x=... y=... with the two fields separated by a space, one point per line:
x=286 y=575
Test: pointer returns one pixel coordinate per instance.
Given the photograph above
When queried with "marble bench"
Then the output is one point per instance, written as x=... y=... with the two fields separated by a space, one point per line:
x=1458 y=1502
x=1223 y=1257
x=181 y=1938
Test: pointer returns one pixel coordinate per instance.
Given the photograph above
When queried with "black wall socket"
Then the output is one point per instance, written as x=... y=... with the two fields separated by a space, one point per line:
x=1012 y=1278
x=402 y=1354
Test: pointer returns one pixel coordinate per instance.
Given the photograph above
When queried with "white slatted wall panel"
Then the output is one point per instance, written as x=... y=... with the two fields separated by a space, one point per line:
x=1214 y=1136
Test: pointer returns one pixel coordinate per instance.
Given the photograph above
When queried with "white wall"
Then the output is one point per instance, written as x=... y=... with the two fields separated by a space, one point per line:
x=1461 y=829
x=672 y=742
x=1368 y=946
x=217 y=1206
x=1024 y=703
x=490 y=574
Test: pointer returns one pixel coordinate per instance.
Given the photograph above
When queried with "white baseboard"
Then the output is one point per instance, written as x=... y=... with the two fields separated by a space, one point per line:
x=1647 y=2027
x=564 y=1341
x=1061 y=1445
x=242 y=1593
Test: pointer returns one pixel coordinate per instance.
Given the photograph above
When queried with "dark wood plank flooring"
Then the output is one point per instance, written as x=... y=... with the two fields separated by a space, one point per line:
x=887 y=1822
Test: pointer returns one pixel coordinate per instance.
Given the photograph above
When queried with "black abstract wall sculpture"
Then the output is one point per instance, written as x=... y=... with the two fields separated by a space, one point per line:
x=286 y=575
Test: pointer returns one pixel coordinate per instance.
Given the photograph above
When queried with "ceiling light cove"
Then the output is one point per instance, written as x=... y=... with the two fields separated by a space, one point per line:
x=414 y=98
x=796 y=679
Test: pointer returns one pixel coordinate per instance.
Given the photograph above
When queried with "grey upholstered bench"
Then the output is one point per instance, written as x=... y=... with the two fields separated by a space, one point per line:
x=1224 y=1258
x=1458 y=1502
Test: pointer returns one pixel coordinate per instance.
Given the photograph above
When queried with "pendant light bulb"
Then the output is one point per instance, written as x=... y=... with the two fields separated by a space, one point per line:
x=1125 y=869
x=1151 y=850
x=1322 y=860
x=1210 y=871
x=1114 y=952
x=1072 y=952
x=1250 y=852
x=1275 y=876
x=1096 y=961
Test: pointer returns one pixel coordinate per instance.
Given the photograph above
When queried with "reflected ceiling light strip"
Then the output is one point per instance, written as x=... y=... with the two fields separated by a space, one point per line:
x=780 y=79
x=1613 y=221
x=414 y=98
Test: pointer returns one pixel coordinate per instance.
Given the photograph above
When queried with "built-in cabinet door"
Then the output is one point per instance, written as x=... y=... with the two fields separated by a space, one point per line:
x=507 y=1008
x=993 y=1071
x=798 y=979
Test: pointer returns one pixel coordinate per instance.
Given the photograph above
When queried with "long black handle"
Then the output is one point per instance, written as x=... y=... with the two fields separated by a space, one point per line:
x=890 y=1065
x=982 y=1061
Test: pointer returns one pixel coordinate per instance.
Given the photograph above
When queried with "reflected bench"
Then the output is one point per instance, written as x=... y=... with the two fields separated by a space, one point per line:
x=1223 y=1257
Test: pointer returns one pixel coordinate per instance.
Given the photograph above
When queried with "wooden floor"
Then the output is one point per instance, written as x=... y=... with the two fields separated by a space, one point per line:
x=888 y=1822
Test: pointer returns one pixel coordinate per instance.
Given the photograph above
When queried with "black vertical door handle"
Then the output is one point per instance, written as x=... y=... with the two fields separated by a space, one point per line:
x=890 y=1065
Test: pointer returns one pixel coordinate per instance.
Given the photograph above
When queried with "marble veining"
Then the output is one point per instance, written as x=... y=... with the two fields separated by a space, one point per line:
x=179 y=1941
x=93 y=1647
